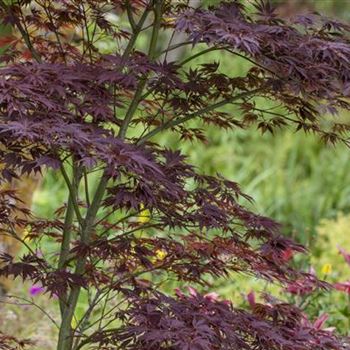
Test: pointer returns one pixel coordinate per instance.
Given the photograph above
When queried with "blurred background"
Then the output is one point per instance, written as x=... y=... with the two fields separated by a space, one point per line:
x=293 y=178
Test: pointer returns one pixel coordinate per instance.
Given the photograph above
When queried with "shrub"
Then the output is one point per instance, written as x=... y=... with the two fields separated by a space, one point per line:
x=70 y=106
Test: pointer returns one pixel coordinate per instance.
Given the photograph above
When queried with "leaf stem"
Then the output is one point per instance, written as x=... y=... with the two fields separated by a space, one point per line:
x=130 y=15
x=136 y=33
x=65 y=338
x=151 y=54
x=73 y=194
x=67 y=229
x=23 y=32
x=174 y=122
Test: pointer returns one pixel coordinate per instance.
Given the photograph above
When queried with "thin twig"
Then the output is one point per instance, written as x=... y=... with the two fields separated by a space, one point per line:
x=177 y=121
x=29 y=303
x=22 y=30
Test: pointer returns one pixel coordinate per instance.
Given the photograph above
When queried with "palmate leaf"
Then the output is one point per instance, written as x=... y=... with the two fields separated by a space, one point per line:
x=198 y=322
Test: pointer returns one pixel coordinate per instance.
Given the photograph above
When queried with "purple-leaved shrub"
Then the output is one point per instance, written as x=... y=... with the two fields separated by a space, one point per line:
x=66 y=106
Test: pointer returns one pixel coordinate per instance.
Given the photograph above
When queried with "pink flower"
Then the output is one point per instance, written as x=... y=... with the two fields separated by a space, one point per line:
x=320 y=321
x=192 y=291
x=179 y=293
x=287 y=254
x=343 y=286
x=251 y=299
x=303 y=286
x=300 y=287
x=35 y=290
x=345 y=254
x=212 y=296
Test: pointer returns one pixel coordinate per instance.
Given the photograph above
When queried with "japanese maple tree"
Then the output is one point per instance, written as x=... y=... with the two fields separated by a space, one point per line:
x=137 y=214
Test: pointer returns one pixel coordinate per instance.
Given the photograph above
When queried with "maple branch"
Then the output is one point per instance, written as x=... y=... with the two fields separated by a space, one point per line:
x=255 y=63
x=174 y=122
x=59 y=42
x=136 y=33
x=10 y=232
x=174 y=47
x=66 y=238
x=86 y=188
x=82 y=324
x=65 y=335
x=82 y=343
x=23 y=32
x=68 y=221
x=29 y=303
x=130 y=16
x=85 y=24
x=139 y=228
x=200 y=53
x=73 y=194
x=156 y=29
x=151 y=54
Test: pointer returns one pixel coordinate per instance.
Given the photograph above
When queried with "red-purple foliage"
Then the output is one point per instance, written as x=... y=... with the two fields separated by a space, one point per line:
x=65 y=105
x=11 y=343
x=198 y=322
x=343 y=286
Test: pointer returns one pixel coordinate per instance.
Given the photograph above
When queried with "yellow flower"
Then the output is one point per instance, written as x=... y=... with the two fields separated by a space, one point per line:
x=169 y=20
x=144 y=216
x=26 y=233
x=74 y=322
x=161 y=254
x=326 y=269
